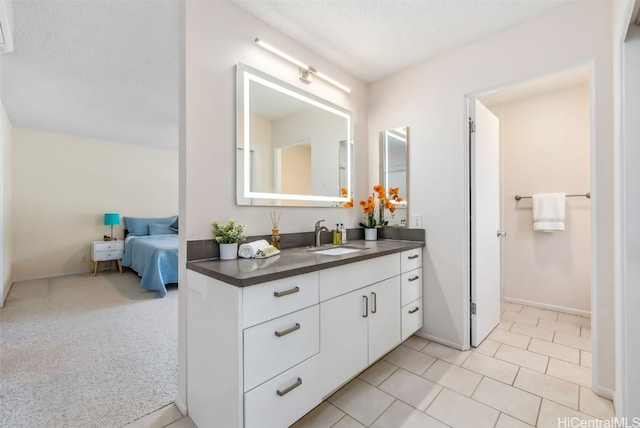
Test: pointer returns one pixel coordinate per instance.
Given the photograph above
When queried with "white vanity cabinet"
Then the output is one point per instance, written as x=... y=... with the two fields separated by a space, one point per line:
x=264 y=355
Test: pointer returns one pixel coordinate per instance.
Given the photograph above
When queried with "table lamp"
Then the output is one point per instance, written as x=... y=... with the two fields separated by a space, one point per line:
x=111 y=219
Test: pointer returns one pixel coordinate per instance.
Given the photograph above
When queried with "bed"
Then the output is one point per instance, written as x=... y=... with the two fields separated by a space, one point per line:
x=151 y=250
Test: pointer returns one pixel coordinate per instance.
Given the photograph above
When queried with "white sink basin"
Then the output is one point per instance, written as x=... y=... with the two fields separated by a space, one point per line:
x=337 y=251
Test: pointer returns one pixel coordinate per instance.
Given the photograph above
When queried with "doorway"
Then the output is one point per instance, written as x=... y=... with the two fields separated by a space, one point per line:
x=544 y=148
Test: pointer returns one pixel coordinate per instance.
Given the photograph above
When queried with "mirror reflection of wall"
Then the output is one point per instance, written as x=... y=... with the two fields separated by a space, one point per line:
x=293 y=169
x=344 y=157
x=394 y=172
x=293 y=144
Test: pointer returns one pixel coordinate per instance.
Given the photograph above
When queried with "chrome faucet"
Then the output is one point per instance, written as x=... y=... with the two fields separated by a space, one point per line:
x=319 y=229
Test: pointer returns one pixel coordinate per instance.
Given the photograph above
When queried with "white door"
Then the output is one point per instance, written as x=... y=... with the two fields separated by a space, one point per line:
x=485 y=221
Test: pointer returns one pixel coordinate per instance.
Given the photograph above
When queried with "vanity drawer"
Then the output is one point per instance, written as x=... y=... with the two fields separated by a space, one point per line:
x=272 y=299
x=411 y=318
x=411 y=286
x=284 y=399
x=410 y=259
x=275 y=346
x=346 y=278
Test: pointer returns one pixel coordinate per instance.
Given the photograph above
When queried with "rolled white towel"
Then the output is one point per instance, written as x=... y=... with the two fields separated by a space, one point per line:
x=250 y=249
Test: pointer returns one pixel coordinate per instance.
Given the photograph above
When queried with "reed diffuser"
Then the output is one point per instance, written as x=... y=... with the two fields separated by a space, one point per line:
x=275 y=233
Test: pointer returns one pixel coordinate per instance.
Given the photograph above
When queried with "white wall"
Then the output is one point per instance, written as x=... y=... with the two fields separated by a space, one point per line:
x=5 y=204
x=545 y=148
x=430 y=99
x=63 y=185
x=218 y=35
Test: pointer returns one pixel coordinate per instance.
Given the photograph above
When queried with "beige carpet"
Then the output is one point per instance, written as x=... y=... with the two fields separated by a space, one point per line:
x=84 y=351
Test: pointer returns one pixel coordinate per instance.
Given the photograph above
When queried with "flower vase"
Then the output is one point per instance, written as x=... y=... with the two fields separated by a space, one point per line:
x=370 y=234
x=229 y=251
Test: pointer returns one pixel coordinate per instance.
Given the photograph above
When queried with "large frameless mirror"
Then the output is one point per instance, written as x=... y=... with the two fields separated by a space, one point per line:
x=293 y=148
x=394 y=168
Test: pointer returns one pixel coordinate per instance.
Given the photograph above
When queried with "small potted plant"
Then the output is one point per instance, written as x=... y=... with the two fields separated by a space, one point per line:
x=377 y=203
x=228 y=236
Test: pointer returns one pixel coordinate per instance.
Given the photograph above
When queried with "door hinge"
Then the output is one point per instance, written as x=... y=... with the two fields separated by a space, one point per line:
x=473 y=308
x=472 y=126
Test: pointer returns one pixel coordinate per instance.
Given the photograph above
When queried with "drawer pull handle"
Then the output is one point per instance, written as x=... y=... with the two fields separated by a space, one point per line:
x=414 y=310
x=414 y=278
x=415 y=256
x=366 y=307
x=374 y=297
x=287 y=331
x=289 y=388
x=286 y=292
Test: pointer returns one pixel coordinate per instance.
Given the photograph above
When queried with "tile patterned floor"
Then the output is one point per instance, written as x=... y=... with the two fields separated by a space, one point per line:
x=534 y=368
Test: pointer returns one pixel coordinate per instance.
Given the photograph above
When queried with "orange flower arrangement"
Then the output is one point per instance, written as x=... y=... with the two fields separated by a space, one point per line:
x=383 y=202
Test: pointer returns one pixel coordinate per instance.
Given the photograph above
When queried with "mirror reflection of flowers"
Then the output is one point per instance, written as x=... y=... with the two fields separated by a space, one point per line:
x=377 y=203
x=344 y=193
x=228 y=233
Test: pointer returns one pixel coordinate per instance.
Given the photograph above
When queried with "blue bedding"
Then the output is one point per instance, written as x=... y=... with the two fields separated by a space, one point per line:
x=154 y=258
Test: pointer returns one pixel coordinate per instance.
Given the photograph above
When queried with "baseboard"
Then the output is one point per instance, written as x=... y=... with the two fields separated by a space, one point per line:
x=57 y=275
x=439 y=340
x=603 y=392
x=6 y=294
x=181 y=406
x=564 y=309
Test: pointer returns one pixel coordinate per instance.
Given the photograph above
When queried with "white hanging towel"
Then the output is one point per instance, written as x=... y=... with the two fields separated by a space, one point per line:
x=549 y=212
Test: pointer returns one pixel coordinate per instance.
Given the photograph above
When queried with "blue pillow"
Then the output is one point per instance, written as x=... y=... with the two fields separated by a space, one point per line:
x=160 y=229
x=174 y=226
x=138 y=226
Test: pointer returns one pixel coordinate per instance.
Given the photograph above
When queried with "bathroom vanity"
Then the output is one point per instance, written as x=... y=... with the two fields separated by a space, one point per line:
x=270 y=339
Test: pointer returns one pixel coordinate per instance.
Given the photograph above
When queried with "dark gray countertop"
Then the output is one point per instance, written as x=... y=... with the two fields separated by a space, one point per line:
x=293 y=261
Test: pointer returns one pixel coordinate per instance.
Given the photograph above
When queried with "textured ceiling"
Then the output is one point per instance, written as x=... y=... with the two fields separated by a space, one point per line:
x=373 y=39
x=109 y=69
x=98 y=69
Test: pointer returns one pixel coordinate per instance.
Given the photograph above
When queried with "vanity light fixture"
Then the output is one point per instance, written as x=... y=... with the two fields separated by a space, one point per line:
x=306 y=71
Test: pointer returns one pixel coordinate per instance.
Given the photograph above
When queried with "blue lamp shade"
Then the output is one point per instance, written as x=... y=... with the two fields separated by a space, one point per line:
x=111 y=219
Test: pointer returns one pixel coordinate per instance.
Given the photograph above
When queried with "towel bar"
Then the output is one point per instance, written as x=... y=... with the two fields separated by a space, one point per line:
x=586 y=195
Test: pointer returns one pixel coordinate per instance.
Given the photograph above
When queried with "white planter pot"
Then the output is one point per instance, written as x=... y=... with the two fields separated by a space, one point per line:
x=370 y=234
x=229 y=251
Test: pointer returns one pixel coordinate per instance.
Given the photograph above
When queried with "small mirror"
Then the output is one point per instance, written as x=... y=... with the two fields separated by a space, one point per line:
x=394 y=168
x=293 y=148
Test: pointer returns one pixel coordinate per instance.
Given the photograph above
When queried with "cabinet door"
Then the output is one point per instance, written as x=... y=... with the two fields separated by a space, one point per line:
x=384 y=317
x=343 y=337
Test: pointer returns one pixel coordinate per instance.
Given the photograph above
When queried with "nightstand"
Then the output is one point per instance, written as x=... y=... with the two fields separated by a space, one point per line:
x=104 y=251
